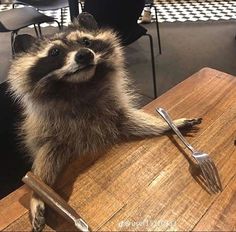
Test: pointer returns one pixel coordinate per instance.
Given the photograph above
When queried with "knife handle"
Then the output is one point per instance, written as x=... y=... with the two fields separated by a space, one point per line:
x=50 y=197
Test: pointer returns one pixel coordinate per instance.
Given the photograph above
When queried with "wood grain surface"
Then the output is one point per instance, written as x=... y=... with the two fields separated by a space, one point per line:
x=152 y=184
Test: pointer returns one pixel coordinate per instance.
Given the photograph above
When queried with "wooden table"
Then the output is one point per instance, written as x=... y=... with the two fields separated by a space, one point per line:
x=146 y=185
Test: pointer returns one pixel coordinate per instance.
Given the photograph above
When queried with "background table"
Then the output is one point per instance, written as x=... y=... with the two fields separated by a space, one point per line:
x=146 y=184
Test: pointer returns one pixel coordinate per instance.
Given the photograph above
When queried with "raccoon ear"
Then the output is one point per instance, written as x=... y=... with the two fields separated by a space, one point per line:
x=87 y=21
x=23 y=43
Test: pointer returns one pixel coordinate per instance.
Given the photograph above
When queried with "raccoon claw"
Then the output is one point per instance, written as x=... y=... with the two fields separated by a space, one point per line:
x=37 y=215
x=188 y=123
x=192 y=122
x=38 y=222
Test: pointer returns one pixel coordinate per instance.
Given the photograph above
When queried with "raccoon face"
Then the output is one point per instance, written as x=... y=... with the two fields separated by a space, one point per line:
x=71 y=58
x=80 y=55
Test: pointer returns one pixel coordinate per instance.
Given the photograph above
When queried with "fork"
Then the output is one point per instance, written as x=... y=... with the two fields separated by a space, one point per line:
x=203 y=160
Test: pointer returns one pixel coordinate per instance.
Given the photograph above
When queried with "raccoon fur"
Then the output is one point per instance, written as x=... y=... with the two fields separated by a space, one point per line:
x=74 y=91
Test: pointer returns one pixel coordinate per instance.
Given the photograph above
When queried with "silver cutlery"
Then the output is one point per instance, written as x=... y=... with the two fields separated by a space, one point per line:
x=203 y=160
x=49 y=196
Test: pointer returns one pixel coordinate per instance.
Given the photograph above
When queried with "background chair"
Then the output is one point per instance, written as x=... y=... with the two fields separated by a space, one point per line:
x=122 y=15
x=15 y=19
x=13 y=162
x=44 y=5
x=152 y=5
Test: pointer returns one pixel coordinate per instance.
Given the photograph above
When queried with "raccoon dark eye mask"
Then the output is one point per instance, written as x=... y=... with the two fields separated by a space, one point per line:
x=55 y=60
x=102 y=46
x=97 y=45
x=54 y=52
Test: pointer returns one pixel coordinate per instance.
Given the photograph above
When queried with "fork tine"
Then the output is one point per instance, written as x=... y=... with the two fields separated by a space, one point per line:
x=207 y=179
x=212 y=177
x=217 y=177
x=213 y=174
x=205 y=174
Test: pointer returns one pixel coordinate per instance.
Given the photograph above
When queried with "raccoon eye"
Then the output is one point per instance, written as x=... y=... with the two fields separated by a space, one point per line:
x=54 y=52
x=86 y=42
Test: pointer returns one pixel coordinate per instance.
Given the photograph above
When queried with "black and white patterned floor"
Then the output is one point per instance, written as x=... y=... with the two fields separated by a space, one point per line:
x=174 y=10
x=195 y=10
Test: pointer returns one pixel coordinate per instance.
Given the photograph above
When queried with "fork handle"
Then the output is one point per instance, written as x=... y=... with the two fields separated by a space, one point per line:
x=170 y=122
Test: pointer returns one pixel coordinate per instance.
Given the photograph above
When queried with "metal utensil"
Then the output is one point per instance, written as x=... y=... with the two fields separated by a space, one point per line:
x=204 y=161
x=50 y=197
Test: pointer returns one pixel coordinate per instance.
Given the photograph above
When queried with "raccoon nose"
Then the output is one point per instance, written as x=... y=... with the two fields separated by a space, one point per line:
x=84 y=56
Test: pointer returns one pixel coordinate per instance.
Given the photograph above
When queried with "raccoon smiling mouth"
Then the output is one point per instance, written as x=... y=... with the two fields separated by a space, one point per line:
x=87 y=67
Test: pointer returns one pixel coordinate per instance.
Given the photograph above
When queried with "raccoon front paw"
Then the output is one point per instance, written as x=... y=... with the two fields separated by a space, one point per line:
x=37 y=214
x=192 y=122
x=187 y=123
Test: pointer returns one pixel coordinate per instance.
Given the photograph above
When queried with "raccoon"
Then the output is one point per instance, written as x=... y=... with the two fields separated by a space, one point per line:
x=74 y=91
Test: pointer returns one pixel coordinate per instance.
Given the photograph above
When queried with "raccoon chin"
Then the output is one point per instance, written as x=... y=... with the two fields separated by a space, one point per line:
x=81 y=75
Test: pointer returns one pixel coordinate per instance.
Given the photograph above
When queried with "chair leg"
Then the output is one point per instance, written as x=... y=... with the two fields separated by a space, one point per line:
x=59 y=25
x=62 y=18
x=17 y=3
x=40 y=31
x=12 y=43
x=36 y=31
x=158 y=30
x=153 y=65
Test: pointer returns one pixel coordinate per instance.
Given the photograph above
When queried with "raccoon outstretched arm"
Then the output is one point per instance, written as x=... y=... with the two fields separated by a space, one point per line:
x=47 y=165
x=141 y=124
